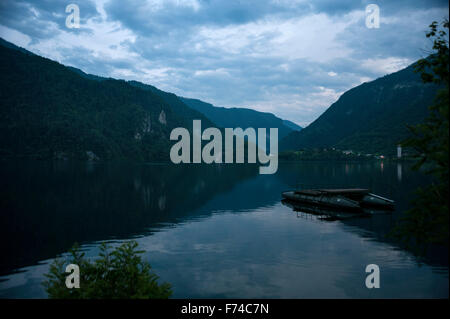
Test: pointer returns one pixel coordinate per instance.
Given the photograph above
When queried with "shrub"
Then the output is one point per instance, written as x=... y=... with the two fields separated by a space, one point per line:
x=118 y=273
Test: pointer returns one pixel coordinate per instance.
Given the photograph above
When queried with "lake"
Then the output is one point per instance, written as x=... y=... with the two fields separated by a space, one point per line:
x=213 y=231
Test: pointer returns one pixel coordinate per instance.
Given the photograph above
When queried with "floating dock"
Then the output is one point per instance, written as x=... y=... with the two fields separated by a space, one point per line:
x=353 y=199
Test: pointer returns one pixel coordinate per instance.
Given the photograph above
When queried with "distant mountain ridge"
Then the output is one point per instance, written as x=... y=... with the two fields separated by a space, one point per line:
x=241 y=117
x=292 y=125
x=369 y=118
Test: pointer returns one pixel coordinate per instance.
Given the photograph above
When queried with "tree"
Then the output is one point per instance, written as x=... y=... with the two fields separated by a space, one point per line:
x=427 y=222
x=120 y=273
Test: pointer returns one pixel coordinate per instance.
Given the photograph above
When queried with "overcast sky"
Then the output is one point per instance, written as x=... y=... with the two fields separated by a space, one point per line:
x=289 y=57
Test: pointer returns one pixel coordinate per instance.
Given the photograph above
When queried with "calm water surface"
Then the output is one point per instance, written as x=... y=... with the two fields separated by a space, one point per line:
x=213 y=231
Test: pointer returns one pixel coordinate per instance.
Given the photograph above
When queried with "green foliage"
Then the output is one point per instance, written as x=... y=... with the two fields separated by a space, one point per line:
x=120 y=273
x=428 y=221
x=435 y=69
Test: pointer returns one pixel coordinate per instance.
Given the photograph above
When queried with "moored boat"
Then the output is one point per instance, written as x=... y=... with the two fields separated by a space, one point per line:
x=375 y=200
x=349 y=199
x=322 y=199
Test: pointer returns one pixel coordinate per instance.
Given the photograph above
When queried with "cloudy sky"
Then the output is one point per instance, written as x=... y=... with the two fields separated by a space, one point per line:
x=289 y=57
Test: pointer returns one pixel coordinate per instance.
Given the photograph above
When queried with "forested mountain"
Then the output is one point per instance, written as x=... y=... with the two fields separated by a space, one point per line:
x=221 y=117
x=242 y=117
x=371 y=117
x=54 y=111
x=49 y=110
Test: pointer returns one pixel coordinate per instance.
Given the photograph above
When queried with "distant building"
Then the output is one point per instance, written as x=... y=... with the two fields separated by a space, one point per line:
x=399 y=151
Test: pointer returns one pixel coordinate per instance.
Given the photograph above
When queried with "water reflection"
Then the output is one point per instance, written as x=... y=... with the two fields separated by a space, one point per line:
x=46 y=207
x=212 y=231
x=399 y=171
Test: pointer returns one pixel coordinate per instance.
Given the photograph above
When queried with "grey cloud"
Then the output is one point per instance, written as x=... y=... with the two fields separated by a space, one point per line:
x=41 y=19
x=148 y=20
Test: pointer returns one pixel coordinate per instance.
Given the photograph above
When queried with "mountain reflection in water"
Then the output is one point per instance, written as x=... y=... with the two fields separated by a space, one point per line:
x=212 y=230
